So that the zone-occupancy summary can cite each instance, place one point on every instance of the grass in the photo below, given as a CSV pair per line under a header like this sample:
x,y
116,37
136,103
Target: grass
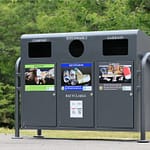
x,y
69,134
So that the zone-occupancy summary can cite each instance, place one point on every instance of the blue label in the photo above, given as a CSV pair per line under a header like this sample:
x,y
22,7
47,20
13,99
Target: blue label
x,y
76,65
73,88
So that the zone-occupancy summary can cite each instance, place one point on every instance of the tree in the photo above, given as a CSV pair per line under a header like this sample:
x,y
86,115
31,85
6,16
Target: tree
x,y
6,105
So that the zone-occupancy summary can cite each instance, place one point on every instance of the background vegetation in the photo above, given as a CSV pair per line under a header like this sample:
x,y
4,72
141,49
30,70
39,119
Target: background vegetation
x,y
47,16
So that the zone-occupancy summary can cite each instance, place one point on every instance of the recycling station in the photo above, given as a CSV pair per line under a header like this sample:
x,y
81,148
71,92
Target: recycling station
x,y
96,80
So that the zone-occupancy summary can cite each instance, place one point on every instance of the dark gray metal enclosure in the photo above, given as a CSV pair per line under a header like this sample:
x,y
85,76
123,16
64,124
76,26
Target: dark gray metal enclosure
x,y
85,81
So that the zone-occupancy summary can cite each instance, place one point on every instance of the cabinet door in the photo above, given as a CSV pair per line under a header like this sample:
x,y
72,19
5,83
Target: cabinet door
x,y
38,104
114,101
76,102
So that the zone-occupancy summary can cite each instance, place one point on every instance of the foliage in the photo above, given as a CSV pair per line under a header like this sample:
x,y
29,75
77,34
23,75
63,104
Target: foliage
x,y
6,105
45,16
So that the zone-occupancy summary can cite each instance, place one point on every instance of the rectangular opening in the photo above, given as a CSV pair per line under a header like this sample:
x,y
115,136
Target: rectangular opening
x,y
115,47
39,49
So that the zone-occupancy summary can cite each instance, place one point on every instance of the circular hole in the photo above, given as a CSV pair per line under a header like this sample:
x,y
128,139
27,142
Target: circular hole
x,y
76,48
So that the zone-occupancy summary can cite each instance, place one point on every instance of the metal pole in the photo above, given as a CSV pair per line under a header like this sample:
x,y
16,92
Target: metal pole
x,y
142,100
17,97
39,134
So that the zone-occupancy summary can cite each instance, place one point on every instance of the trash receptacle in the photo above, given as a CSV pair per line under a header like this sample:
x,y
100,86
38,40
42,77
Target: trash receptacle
x,y
84,80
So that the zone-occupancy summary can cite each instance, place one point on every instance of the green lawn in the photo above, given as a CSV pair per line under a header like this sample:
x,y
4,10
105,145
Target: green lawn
x,y
79,134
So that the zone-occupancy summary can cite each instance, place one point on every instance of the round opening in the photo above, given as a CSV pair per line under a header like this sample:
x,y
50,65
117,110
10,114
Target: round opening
x,y
76,48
